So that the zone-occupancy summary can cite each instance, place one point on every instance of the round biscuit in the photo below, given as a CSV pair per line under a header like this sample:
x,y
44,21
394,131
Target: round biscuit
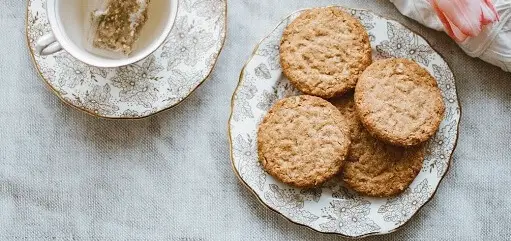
x,y
323,52
399,102
303,141
374,168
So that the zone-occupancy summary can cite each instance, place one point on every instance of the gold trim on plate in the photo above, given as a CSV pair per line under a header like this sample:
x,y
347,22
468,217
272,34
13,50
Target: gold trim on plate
x,y
238,175
89,112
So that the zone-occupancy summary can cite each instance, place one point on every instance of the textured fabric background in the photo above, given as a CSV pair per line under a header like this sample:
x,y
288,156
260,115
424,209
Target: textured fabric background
x,y
66,175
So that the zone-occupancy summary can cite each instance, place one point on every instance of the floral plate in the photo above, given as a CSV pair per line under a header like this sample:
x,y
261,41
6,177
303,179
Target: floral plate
x,y
333,208
154,84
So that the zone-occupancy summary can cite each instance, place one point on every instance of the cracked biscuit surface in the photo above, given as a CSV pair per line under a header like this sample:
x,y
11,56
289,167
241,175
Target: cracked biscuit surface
x,y
399,102
303,141
323,52
374,168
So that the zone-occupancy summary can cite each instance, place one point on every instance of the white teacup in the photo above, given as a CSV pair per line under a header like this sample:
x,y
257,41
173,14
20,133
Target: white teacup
x,y
67,18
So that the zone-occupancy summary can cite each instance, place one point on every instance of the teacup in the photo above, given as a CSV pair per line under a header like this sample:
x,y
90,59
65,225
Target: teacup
x,y
67,19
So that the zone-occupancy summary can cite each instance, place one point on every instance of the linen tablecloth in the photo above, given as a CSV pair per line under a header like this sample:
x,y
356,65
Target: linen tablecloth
x,y
65,175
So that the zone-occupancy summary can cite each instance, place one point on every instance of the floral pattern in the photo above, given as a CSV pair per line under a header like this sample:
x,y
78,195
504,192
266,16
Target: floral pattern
x,y
436,160
312,194
244,96
262,71
178,86
400,209
366,18
154,84
186,43
445,79
76,73
249,169
270,49
36,28
267,100
135,83
403,43
333,208
203,8
438,157
349,216
100,100
130,114
290,201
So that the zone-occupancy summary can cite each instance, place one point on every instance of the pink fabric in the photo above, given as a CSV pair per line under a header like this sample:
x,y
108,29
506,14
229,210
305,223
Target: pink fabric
x,y
465,18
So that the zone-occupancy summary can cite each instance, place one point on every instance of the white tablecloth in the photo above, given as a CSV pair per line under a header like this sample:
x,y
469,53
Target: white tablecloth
x,y
66,175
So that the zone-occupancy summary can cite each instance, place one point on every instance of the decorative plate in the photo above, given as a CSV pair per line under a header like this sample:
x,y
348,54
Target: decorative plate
x,y
333,208
154,84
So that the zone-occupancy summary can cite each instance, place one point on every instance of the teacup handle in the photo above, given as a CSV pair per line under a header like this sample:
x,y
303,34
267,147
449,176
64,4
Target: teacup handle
x,y
47,45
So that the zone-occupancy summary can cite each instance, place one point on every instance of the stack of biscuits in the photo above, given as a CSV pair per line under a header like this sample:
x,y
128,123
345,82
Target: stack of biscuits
x,y
365,121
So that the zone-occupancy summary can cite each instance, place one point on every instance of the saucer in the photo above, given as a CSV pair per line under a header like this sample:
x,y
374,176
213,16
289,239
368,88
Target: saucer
x,y
333,208
154,84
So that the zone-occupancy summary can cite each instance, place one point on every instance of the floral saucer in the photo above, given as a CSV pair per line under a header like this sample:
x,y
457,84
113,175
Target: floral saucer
x,y
157,83
333,208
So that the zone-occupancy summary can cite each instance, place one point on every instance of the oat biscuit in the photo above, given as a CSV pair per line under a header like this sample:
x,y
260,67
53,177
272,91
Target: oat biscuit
x,y
374,168
303,141
323,52
399,102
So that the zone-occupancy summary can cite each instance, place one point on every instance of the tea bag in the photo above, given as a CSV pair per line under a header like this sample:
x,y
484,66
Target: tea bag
x,y
114,26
